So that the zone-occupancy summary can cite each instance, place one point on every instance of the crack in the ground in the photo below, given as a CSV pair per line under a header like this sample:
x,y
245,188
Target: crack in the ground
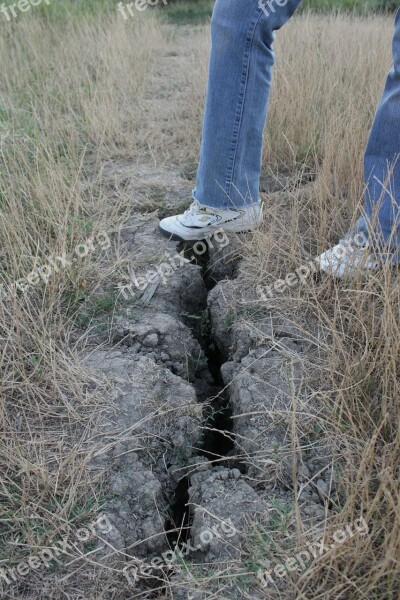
x,y
218,438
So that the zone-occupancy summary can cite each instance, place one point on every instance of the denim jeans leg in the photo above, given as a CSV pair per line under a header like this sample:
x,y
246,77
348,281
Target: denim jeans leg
x,y
382,164
240,70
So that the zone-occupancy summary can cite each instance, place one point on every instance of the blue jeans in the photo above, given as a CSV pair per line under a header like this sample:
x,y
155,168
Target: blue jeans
x,y
240,72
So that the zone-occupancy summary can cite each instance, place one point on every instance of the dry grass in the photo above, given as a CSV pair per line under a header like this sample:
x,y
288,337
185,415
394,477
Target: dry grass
x,y
77,96
324,121
60,120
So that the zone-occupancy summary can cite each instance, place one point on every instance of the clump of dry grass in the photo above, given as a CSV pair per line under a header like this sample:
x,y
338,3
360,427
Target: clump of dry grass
x,y
329,77
66,104
80,95
321,111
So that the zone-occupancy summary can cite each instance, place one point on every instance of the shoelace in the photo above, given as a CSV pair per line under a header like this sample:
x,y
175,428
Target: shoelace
x,y
191,210
361,252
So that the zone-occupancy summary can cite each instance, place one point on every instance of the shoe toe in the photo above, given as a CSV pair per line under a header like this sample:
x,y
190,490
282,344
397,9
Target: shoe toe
x,y
168,227
332,262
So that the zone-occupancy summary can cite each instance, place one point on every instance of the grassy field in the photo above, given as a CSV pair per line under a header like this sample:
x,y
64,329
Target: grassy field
x,y
76,95
200,11
192,11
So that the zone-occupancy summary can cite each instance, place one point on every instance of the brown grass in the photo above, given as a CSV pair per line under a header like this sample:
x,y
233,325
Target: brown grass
x,y
77,96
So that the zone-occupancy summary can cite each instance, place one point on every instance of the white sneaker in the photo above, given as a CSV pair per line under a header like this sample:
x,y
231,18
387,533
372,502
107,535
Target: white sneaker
x,y
346,260
200,221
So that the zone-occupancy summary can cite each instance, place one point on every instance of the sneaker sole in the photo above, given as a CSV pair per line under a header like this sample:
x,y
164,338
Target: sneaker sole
x,y
197,238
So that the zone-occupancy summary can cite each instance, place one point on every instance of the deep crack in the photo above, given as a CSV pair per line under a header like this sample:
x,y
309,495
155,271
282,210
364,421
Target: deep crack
x,y
218,438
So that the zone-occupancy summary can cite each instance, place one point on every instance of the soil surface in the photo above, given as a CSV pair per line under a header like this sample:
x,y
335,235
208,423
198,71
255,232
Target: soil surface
x,y
204,378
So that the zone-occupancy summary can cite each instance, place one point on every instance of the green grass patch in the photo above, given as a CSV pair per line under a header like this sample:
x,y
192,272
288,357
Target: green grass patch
x,y
199,11
59,9
358,6
195,13
180,12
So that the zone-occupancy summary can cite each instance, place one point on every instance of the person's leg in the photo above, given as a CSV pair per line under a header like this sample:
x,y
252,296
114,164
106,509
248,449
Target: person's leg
x,y
239,85
382,159
241,60
375,239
